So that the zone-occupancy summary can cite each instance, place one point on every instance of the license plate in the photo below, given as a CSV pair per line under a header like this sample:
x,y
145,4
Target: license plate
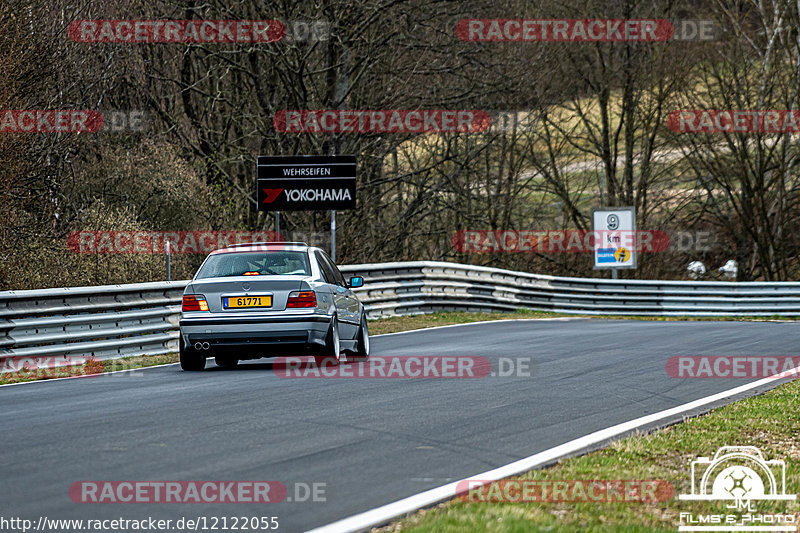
x,y
239,302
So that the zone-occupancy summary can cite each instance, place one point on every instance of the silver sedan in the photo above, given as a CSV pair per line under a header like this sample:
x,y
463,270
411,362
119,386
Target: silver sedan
x,y
267,299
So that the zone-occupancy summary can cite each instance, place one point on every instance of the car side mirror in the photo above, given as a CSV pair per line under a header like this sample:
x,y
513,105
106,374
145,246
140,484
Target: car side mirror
x,y
356,281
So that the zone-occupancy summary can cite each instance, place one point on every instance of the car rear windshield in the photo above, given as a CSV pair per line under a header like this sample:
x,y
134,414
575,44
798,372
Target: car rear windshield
x,y
277,263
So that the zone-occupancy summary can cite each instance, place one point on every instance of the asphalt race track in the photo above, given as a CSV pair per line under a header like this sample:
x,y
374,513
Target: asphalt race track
x,y
369,441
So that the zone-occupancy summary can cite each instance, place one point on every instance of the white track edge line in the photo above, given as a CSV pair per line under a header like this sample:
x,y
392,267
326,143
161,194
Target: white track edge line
x,y
557,318
385,513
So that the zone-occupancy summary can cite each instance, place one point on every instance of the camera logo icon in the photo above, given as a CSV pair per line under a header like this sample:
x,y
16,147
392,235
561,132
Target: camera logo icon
x,y
738,473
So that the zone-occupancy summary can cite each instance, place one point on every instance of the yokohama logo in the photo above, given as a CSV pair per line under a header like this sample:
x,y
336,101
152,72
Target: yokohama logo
x,y
317,195
308,195
271,195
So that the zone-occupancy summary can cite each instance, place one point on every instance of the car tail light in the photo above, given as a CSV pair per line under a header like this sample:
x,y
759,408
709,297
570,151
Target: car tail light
x,y
302,299
194,302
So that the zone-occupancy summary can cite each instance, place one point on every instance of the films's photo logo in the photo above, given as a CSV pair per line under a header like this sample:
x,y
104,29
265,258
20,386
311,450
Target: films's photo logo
x,y
743,482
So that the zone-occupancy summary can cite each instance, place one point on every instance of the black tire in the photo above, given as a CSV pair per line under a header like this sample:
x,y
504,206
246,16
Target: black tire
x,y
362,341
191,359
226,362
332,351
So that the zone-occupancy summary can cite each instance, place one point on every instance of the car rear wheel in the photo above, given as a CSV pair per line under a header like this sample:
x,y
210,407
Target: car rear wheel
x,y
226,362
332,352
191,359
362,341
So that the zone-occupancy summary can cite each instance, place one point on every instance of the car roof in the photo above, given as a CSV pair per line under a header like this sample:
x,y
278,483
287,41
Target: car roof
x,y
264,247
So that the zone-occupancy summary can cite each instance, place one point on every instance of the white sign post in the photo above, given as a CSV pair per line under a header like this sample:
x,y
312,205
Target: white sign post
x,y
614,238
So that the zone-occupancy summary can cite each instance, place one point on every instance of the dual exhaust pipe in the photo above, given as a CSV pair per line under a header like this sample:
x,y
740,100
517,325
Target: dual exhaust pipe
x,y
201,346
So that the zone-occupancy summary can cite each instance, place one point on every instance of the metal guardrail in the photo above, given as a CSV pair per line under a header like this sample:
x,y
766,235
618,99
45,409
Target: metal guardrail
x,y
115,321
104,322
426,286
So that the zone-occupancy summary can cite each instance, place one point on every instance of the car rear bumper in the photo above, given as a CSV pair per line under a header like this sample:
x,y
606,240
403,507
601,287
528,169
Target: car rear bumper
x,y
271,334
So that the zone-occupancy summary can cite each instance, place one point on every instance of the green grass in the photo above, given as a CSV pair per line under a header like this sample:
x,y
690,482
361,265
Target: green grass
x,y
768,421
92,367
395,324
